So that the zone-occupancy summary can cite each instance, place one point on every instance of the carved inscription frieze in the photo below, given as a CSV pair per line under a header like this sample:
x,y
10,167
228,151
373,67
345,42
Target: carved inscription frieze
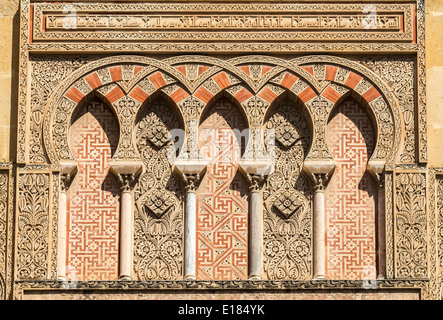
x,y
267,22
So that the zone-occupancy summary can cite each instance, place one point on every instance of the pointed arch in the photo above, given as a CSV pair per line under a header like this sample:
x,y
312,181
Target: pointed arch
x,y
351,195
222,197
93,208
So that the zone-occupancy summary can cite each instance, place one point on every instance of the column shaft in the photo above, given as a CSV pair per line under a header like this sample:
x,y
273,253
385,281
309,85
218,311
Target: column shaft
x,y
190,234
319,235
126,235
381,233
62,229
254,236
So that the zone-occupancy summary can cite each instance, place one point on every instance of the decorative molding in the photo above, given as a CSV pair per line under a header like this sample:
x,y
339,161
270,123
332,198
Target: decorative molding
x,y
243,285
220,48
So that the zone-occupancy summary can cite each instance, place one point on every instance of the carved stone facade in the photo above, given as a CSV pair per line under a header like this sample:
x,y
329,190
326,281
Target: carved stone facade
x,y
224,146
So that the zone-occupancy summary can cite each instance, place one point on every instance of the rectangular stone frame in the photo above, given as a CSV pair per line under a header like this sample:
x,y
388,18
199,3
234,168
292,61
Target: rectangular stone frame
x,y
30,47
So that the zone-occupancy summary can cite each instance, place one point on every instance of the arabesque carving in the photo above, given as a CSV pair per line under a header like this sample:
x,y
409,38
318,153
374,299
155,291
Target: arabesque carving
x,y
258,56
287,198
411,227
158,196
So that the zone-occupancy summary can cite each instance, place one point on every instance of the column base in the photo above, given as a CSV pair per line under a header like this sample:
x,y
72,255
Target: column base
x,y
62,278
191,278
381,277
320,277
254,278
125,278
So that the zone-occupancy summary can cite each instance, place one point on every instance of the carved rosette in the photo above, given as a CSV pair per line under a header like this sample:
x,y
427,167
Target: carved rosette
x,y
287,199
158,195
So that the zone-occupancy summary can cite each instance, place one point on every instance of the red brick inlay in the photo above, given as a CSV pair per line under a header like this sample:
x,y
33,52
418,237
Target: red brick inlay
x,y
181,69
93,198
139,94
331,72
202,69
157,80
307,94
93,80
309,69
222,208
371,95
116,73
178,95
203,94
115,94
267,94
74,94
350,196
288,80
137,69
265,70
353,80
245,69
243,95
331,94
222,80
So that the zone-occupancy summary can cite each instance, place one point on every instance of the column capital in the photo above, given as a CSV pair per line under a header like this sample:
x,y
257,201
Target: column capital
x,y
320,181
255,181
191,180
126,181
65,181
380,178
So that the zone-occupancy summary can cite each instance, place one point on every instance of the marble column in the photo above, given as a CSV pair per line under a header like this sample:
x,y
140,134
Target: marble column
x,y
65,180
126,227
190,225
381,227
319,226
255,227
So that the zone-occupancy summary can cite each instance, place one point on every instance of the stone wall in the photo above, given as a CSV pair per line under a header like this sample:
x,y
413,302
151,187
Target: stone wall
x,y
9,24
434,64
38,179
177,295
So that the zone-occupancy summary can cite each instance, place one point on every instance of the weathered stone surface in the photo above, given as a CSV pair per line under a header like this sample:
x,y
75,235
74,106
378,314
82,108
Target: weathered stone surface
x,y
434,64
177,295
257,56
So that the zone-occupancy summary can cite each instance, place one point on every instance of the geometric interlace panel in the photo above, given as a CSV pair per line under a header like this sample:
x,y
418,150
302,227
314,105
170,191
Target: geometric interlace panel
x,y
93,198
350,204
222,207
